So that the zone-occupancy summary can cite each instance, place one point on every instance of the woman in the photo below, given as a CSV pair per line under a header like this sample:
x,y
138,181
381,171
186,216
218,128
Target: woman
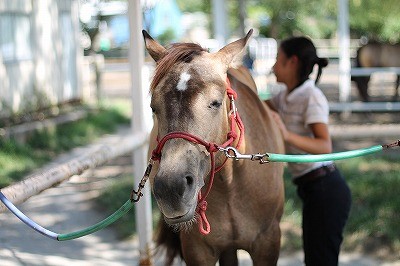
x,y
302,114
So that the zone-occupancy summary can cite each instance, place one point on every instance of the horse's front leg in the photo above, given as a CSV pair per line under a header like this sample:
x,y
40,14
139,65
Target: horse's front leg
x,y
265,251
229,258
362,86
196,252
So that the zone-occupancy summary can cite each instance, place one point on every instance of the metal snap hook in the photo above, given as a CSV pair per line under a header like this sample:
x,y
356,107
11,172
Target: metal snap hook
x,y
236,154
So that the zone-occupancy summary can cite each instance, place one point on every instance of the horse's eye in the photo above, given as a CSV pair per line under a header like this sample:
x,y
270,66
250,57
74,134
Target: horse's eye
x,y
215,104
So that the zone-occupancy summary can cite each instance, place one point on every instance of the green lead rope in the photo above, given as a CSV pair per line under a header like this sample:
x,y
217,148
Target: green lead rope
x,y
62,237
311,158
100,225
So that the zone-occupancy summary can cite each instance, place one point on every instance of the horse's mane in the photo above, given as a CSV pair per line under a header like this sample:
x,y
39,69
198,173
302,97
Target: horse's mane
x,y
178,52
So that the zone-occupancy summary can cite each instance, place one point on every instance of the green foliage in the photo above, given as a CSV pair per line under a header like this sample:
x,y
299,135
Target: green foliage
x,y
374,182
194,6
291,220
64,137
17,160
287,18
318,18
375,19
391,30
315,18
166,37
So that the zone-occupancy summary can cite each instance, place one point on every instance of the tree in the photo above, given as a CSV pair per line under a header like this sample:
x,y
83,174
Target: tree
x,y
375,19
315,18
279,19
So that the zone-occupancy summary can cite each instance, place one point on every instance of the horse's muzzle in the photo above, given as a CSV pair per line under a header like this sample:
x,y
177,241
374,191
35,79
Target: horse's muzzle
x,y
176,196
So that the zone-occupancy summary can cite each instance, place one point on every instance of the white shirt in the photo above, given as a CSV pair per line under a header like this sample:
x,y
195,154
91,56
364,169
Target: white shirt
x,y
298,109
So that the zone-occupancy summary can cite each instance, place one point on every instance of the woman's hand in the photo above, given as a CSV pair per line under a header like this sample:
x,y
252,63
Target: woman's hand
x,y
318,144
281,125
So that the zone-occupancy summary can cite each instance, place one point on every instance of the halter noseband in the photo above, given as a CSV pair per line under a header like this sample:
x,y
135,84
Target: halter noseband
x,y
212,148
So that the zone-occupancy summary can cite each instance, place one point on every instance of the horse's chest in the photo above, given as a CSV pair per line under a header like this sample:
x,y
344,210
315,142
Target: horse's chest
x,y
233,221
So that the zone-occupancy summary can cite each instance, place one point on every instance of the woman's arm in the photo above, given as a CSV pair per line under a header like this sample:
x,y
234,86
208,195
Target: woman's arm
x,y
319,144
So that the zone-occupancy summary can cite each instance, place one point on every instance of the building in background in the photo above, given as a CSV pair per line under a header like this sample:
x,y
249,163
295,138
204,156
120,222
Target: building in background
x,y
39,54
106,24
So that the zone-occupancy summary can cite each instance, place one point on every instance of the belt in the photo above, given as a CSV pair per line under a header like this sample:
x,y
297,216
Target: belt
x,y
314,174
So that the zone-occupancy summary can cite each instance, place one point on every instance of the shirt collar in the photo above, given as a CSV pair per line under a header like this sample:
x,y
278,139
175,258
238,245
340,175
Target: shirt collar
x,y
297,91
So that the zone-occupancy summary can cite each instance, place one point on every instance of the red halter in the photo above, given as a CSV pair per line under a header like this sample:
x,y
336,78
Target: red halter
x,y
211,148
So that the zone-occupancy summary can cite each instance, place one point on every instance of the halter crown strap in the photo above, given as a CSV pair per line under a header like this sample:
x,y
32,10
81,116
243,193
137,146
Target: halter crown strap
x,y
235,117
229,90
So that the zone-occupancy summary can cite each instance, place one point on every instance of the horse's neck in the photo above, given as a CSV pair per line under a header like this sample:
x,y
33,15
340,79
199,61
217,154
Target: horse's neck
x,y
243,75
224,179
261,131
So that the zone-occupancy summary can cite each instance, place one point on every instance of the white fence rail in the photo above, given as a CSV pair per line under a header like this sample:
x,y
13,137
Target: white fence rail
x,y
364,106
367,71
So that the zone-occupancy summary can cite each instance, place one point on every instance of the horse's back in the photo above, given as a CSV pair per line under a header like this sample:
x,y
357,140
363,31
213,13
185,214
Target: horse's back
x,y
391,55
379,55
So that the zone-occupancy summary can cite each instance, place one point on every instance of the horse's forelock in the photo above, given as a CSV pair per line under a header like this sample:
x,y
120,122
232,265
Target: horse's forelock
x,y
179,52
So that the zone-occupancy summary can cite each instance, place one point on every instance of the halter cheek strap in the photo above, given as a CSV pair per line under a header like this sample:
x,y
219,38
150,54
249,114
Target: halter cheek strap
x,y
212,148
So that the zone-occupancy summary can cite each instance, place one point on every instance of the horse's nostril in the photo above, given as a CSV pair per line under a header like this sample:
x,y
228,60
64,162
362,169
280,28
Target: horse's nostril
x,y
189,180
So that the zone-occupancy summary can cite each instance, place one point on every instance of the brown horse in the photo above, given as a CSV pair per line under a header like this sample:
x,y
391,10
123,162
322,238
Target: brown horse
x,y
190,109
376,54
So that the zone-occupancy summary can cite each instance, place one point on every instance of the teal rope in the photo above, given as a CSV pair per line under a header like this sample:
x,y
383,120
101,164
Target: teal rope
x,y
310,158
100,225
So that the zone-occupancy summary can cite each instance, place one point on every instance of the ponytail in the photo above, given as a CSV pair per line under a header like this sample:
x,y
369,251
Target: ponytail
x,y
321,62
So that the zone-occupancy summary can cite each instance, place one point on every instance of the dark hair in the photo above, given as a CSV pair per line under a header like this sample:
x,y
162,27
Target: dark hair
x,y
304,49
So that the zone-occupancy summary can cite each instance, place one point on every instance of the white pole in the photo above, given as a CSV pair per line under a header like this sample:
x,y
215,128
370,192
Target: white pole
x,y
344,51
136,58
220,22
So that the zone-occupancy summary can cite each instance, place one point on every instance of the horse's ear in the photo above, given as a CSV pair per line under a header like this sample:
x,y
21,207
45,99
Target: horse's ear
x,y
232,54
155,49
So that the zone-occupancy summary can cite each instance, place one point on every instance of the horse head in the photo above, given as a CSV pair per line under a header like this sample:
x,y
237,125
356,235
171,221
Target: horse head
x,y
188,94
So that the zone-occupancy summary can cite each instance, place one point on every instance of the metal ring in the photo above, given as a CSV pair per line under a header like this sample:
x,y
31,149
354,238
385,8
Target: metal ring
x,y
227,152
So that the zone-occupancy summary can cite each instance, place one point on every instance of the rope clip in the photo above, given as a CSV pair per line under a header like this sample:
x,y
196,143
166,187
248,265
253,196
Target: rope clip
x,y
233,153
260,158
392,145
137,194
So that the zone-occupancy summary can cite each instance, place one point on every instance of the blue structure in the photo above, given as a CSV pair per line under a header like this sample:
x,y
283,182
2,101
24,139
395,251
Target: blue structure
x,y
164,16
161,17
